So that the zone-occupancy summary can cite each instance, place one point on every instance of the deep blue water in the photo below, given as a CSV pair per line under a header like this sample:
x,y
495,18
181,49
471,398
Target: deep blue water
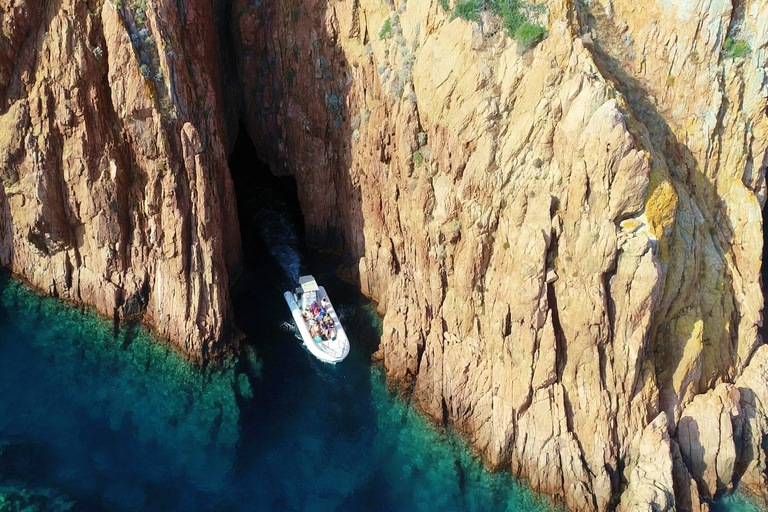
x,y
94,421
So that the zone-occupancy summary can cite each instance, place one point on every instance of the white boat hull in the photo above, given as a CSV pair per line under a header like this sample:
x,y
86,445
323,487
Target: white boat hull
x,y
329,351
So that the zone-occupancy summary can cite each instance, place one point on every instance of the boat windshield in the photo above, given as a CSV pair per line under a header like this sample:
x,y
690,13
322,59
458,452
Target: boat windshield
x,y
307,299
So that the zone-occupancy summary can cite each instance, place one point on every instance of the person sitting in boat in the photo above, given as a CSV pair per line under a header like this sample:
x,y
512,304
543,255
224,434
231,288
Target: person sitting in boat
x,y
332,333
314,331
324,303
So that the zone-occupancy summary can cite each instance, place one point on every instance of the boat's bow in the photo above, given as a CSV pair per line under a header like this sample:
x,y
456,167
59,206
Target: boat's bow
x,y
330,350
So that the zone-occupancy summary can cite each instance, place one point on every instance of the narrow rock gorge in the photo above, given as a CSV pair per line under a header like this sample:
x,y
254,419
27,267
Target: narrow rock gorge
x,y
565,239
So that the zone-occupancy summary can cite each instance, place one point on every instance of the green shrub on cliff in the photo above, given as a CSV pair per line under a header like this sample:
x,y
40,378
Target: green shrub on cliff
x,y
386,29
529,34
735,48
512,13
469,10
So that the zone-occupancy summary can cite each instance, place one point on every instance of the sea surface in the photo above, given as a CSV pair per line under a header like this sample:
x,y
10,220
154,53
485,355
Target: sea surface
x,y
92,419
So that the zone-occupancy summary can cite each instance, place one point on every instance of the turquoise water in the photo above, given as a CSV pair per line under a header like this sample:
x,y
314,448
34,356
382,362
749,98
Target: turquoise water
x,y
93,421
737,503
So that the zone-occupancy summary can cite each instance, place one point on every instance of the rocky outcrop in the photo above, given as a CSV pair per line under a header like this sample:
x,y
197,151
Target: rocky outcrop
x,y
115,188
705,112
721,437
565,241
753,424
706,437
685,487
649,469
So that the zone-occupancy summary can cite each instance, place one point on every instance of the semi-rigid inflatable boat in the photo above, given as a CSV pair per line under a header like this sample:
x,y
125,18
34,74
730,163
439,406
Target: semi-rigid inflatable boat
x,y
310,305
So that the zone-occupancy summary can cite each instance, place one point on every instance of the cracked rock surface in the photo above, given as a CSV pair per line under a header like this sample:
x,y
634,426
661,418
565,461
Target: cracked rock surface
x,y
115,189
565,241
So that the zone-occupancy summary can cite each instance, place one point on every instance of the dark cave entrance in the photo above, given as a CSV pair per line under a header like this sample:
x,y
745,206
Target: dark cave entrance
x,y
268,207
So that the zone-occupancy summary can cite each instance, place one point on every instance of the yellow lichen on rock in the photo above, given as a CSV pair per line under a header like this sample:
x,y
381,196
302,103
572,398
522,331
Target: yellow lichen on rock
x,y
660,207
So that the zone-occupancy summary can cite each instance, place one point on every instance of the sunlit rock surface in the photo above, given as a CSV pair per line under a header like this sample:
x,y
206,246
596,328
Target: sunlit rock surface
x,y
565,241
115,188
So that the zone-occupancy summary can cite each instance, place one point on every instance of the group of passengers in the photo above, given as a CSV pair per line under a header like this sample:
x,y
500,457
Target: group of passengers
x,y
321,325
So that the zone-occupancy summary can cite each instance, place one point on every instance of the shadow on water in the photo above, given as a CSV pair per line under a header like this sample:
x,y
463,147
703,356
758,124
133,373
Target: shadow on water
x,y
325,405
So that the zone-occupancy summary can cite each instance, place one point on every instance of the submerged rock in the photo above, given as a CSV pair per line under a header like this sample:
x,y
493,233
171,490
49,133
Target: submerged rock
x,y
34,500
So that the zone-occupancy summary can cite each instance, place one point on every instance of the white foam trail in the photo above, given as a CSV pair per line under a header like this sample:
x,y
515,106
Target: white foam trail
x,y
278,233
291,327
345,312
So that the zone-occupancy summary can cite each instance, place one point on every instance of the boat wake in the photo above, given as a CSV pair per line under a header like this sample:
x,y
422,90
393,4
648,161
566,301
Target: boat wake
x,y
345,312
277,231
292,328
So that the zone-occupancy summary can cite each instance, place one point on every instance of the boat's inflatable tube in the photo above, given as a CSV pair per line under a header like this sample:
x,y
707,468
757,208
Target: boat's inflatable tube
x,y
297,319
331,351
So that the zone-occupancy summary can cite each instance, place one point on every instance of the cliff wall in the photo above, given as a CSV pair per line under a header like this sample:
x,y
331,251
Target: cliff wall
x,y
566,240
115,188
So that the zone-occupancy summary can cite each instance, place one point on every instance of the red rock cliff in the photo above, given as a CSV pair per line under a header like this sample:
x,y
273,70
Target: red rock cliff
x,y
115,188
565,241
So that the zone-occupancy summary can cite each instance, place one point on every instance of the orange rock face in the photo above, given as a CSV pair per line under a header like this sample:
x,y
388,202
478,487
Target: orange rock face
x,y
115,187
565,240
